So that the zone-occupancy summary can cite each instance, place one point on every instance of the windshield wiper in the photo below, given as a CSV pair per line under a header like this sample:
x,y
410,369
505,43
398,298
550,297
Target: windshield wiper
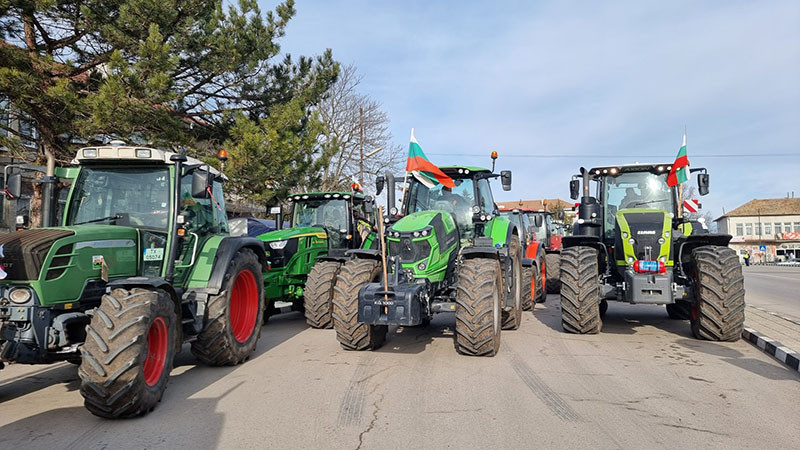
x,y
651,201
115,217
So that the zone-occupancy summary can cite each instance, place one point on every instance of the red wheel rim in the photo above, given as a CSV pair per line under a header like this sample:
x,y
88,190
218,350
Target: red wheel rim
x,y
244,306
157,343
544,278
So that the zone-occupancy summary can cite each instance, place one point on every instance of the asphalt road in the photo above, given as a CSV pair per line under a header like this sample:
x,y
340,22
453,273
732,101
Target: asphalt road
x,y
774,288
642,383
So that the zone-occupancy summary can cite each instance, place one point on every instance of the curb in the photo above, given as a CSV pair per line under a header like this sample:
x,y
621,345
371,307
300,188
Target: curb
x,y
772,348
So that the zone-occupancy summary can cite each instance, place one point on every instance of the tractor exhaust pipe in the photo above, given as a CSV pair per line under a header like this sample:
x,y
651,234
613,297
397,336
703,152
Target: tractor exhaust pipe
x,y
390,192
49,189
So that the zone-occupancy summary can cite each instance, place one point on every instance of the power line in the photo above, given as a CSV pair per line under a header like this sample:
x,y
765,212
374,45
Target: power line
x,y
721,155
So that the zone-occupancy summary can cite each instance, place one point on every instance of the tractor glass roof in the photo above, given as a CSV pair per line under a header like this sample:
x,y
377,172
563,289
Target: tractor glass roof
x,y
635,190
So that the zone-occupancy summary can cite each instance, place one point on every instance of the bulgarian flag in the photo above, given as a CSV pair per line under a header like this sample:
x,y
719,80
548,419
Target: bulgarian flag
x,y
422,168
677,174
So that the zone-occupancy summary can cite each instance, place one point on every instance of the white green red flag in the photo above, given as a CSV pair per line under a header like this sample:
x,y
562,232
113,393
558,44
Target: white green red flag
x,y
677,174
422,168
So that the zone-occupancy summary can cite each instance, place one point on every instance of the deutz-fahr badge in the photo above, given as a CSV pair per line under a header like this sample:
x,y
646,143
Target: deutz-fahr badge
x,y
97,262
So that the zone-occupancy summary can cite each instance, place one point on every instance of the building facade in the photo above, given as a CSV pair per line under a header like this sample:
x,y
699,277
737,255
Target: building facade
x,y
769,229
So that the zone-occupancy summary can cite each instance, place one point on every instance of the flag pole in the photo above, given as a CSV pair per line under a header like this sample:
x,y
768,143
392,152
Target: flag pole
x,y
405,182
680,185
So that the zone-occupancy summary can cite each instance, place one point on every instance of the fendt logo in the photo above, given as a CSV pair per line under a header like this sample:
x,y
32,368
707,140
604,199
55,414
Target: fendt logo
x,y
646,232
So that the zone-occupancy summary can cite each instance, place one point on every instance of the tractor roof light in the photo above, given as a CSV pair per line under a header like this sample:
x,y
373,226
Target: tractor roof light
x,y
614,171
143,153
90,153
222,155
494,154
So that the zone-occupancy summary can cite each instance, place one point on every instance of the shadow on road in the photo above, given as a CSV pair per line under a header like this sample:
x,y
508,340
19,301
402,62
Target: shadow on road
x,y
725,352
416,339
190,398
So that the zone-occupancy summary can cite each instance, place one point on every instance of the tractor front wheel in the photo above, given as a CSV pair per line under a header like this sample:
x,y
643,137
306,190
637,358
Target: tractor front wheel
x,y
718,313
318,294
478,294
538,291
351,334
553,266
235,315
527,288
513,317
580,291
128,353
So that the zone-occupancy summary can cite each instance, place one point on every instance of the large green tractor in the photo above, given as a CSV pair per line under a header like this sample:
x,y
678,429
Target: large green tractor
x,y
630,245
304,259
141,264
448,251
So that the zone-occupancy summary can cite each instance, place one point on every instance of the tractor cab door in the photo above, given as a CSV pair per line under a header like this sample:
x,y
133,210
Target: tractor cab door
x,y
203,218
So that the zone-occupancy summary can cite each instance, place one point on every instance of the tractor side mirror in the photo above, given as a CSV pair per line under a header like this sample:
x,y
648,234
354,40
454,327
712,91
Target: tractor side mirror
x,y
368,204
702,183
201,181
13,186
380,181
538,220
275,210
505,179
574,189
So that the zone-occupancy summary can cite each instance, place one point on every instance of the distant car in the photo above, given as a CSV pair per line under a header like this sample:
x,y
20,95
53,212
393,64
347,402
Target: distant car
x,y
250,226
789,262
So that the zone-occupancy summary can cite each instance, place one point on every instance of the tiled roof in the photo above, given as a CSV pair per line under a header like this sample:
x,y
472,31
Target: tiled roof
x,y
767,207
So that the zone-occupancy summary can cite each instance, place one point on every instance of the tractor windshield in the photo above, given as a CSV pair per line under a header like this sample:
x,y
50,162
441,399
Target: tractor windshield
x,y
458,201
330,214
635,190
540,232
137,197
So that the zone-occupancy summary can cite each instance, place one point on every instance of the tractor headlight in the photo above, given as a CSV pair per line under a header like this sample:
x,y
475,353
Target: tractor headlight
x,y
663,259
393,211
666,234
421,266
630,259
624,235
20,295
631,241
661,240
277,245
416,234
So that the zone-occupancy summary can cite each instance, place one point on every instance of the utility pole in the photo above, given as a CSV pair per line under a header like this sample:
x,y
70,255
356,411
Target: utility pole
x,y
361,145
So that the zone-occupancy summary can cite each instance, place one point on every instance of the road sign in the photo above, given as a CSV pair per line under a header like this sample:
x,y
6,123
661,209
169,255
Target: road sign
x,y
691,205
762,248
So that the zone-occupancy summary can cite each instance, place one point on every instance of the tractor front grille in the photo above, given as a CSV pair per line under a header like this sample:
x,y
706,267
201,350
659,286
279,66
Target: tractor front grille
x,y
409,251
280,257
23,252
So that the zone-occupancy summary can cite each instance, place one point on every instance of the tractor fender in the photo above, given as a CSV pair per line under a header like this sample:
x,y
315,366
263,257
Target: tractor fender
x,y
691,242
500,231
527,262
533,250
225,251
484,252
145,282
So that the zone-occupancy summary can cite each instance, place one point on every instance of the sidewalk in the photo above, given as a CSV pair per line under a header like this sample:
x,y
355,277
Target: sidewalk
x,y
776,335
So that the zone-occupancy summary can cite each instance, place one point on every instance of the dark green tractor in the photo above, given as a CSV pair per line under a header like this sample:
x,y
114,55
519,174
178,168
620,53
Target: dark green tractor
x,y
448,251
141,264
304,259
629,245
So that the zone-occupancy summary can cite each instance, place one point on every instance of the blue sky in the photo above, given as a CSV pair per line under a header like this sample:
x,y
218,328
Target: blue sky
x,y
608,82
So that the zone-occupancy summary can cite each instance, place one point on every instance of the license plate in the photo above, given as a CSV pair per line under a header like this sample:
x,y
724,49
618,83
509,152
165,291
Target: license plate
x,y
649,266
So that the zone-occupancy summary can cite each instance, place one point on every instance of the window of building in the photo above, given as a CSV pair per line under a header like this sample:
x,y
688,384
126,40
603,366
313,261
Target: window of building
x,y
4,117
749,228
797,227
28,133
758,229
739,229
787,227
767,229
777,227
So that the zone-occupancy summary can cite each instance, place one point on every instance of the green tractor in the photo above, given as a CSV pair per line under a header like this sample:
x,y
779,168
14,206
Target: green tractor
x,y
630,244
141,264
304,259
448,251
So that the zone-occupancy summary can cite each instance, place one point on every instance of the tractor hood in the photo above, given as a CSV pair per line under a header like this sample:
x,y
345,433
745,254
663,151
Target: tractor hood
x,y
643,234
425,242
289,233
417,221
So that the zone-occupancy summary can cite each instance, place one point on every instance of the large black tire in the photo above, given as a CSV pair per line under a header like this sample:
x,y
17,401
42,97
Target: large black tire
x,y
553,267
478,311
580,291
318,294
234,316
538,292
718,314
679,310
352,334
527,288
128,353
513,318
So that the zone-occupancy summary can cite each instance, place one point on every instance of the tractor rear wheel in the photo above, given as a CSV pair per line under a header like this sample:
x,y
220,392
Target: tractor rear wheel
x,y
128,353
679,311
513,318
553,266
718,313
580,291
478,311
351,334
318,294
235,315
527,288
542,264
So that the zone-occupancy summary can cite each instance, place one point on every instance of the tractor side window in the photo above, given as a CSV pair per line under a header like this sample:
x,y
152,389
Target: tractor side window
x,y
220,216
198,212
485,194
